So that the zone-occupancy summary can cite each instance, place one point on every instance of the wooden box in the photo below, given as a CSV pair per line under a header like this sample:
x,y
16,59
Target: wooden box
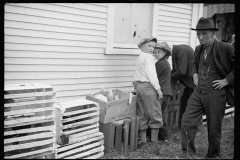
x,y
116,109
77,130
29,129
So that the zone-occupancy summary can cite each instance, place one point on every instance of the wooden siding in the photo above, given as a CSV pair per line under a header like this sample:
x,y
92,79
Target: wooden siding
x,y
62,45
174,23
211,9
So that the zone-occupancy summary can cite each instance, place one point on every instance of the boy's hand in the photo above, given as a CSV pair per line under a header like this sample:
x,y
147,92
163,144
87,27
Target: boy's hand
x,y
160,95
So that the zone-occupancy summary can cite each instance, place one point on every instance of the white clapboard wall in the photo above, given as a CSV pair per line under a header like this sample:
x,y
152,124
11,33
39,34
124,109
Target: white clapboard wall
x,y
63,45
173,23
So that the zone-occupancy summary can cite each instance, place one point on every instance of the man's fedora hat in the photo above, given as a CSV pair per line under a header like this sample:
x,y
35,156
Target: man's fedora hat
x,y
205,24
145,40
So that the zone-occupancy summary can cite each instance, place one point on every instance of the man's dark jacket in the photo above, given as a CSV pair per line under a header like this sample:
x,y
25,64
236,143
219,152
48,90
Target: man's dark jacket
x,y
223,55
164,76
182,61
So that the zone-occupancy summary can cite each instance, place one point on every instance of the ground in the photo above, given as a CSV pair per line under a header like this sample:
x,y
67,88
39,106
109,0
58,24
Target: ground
x,y
172,150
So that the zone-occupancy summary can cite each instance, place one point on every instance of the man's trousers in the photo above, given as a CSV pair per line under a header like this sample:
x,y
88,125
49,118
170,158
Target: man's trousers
x,y
187,92
213,104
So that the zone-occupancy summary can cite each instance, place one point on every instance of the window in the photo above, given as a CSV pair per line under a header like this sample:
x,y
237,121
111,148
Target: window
x,y
127,24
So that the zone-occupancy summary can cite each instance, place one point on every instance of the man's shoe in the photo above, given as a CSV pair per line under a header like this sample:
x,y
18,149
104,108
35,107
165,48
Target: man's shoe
x,y
183,154
217,156
187,155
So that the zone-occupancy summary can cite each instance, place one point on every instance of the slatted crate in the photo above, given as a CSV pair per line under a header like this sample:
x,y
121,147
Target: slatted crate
x,y
28,120
122,135
77,129
89,147
174,104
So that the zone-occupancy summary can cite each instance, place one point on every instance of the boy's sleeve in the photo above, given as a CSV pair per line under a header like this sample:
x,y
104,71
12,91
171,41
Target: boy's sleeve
x,y
151,73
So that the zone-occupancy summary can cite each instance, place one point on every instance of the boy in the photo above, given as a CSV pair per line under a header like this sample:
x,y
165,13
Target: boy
x,y
148,91
161,52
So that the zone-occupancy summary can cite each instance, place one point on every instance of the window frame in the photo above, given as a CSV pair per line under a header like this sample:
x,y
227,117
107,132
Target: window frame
x,y
120,48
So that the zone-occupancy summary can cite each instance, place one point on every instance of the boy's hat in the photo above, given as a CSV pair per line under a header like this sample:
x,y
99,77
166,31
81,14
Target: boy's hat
x,y
164,45
205,24
145,40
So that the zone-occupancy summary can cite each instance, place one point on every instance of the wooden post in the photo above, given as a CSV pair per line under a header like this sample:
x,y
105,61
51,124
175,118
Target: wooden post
x,y
126,134
50,156
136,131
100,126
177,116
132,134
108,131
118,139
171,119
58,124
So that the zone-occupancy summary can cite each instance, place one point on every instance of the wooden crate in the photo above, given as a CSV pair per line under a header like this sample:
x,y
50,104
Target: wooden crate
x,y
117,109
173,107
121,135
90,147
77,130
28,120
75,119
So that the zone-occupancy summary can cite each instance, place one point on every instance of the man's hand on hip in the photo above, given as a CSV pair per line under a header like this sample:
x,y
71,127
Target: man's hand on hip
x,y
219,84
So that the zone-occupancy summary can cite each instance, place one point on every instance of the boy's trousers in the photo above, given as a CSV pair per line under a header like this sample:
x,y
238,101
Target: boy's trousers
x,y
148,106
164,131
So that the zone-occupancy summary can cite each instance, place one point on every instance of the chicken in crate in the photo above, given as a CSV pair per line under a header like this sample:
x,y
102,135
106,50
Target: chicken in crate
x,y
77,130
28,120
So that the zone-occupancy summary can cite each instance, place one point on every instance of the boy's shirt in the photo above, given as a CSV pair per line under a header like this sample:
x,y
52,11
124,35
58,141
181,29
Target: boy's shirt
x,y
145,70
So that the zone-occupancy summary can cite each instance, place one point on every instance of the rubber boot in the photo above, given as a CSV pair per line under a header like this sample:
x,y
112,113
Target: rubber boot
x,y
143,137
154,139
154,134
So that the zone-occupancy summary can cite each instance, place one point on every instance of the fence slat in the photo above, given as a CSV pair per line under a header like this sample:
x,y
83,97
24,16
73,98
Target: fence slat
x,y
28,145
29,137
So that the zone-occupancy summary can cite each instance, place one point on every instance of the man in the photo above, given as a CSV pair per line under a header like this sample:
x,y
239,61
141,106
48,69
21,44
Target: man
x,y
182,60
148,91
213,75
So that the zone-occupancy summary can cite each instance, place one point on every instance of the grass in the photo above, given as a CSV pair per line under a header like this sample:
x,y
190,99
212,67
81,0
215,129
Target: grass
x,y
172,150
